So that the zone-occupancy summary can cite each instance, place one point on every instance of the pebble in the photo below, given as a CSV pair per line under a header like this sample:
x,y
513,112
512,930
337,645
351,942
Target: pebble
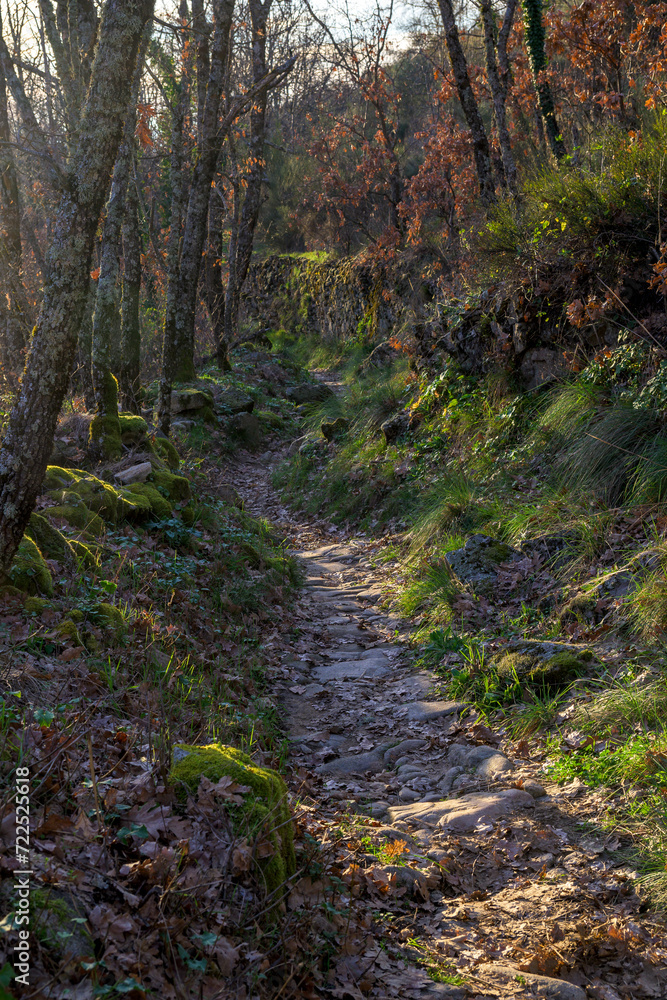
x,y
534,788
408,795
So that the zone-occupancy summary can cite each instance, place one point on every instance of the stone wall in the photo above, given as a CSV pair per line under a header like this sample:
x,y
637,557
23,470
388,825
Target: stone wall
x,y
508,328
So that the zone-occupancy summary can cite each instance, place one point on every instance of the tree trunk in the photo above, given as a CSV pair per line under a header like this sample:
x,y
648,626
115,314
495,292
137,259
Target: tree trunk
x,y
12,303
535,40
194,233
104,441
481,151
29,435
241,252
177,181
130,338
498,92
215,292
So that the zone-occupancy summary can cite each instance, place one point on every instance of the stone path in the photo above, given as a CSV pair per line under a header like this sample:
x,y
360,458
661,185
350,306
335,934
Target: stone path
x,y
492,833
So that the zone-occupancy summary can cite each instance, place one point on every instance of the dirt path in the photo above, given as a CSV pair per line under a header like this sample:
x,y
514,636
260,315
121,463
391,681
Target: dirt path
x,y
500,882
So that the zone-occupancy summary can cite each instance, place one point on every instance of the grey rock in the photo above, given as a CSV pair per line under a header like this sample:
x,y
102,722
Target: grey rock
x,y
246,427
462,815
534,788
395,426
486,761
476,564
186,400
527,984
449,777
408,795
426,711
355,764
343,671
395,753
540,365
234,402
333,428
379,809
309,392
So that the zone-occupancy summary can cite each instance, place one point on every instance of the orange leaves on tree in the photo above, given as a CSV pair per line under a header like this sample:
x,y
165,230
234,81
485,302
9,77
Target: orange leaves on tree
x,y
143,132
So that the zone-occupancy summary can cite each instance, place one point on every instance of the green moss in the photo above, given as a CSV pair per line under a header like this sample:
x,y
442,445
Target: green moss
x,y
159,507
83,554
67,630
108,616
271,418
177,488
104,438
133,429
52,543
254,557
166,450
135,506
265,810
8,591
188,515
36,605
581,604
76,615
551,672
207,414
74,511
29,571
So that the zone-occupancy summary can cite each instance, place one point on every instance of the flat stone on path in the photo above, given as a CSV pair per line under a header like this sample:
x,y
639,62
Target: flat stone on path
x,y
528,984
426,711
350,670
462,815
355,764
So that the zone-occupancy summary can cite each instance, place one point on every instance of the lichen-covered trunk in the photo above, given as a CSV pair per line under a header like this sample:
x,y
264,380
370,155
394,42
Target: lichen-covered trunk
x,y
536,42
480,141
194,232
242,246
130,336
12,300
177,181
29,436
498,91
105,441
83,374
215,291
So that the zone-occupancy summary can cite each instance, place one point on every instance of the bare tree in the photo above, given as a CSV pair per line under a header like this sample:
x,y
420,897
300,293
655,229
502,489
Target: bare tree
x,y
480,141
495,44
29,436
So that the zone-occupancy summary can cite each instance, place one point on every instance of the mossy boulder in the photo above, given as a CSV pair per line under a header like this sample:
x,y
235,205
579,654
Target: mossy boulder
x,y
37,605
234,401
247,428
153,500
104,439
476,564
167,452
67,629
189,400
265,812
52,543
109,617
333,429
550,672
177,488
133,429
74,511
29,571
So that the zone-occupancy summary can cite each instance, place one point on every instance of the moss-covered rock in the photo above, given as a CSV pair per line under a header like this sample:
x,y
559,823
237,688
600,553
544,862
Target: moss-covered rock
x,y
550,672
133,429
51,542
74,511
67,629
265,811
84,554
188,515
36,605
189,400
177,488
29,571
158,505
166,450
104,439
108,616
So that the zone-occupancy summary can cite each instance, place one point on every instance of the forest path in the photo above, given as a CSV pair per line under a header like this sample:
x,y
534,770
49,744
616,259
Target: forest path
x,y
500,884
